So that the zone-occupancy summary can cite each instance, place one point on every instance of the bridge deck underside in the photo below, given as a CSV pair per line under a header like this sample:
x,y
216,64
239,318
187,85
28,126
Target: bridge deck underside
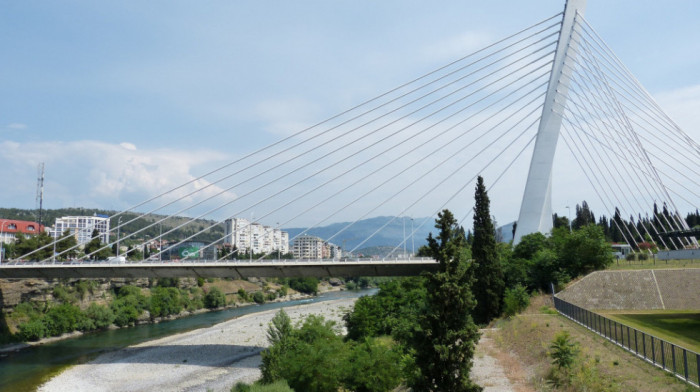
x,y
217,270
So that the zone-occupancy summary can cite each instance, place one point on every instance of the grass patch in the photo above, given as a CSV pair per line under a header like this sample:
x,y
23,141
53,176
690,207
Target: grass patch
x,y
599,366
680,328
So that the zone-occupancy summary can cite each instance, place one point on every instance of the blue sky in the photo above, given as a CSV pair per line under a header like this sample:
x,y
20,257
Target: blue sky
x,y
124,99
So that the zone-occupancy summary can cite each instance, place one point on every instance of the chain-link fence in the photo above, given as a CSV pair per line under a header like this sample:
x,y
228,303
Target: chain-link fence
x,y
684,363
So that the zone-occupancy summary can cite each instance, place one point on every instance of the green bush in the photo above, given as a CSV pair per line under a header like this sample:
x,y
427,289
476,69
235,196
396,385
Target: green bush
x,y
97,317
304,285
643,256
61,293
279,386
32,330
128,306
165,301
214,298
563,350
200,281
63,318
259,297
243,295
515,300
373,367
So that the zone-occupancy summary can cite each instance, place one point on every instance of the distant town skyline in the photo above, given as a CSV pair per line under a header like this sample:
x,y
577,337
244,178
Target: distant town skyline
x,y
125,100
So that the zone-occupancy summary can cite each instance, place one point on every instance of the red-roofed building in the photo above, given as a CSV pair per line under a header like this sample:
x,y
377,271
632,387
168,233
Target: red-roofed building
x,y
10,227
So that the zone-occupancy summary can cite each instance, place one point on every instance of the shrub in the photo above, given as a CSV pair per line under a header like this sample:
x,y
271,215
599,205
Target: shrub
x,y
373,367
98,317
165,301
304,285
32,330
63,318
215,298
200,281
515,300
243,295
563,350
259,297
61,293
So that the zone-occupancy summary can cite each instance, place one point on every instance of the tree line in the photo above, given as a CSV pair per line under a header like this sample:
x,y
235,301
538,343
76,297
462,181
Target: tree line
x,y
421,332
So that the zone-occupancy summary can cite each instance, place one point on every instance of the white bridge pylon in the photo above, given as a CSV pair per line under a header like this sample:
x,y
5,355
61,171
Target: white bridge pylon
x,y
536,207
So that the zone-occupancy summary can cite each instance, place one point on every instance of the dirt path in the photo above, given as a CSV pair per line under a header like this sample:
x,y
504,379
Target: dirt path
x,y
497,371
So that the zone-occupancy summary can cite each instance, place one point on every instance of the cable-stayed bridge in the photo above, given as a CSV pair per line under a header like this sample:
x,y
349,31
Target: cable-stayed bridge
x,y
421,146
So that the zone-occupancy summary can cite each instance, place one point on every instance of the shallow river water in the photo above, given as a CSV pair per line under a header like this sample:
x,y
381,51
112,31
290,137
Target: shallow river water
x,y
26,369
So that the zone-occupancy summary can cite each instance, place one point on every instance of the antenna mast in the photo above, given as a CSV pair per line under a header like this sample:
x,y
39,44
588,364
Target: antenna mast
x,y
40,191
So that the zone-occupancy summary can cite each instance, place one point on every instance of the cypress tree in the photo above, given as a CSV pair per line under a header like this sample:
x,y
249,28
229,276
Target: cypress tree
x,y
489,285
445,336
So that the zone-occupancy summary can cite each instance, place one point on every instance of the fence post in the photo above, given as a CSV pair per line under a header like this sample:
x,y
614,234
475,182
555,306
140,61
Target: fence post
x,y
685,363
615,326
673,356
663,354
653,349
636,348
697,364
629,343
644,344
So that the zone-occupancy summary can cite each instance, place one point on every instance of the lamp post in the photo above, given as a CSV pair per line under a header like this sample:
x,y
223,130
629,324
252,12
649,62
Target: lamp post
x,y
569,209
413,244
403,220
119,225
2,240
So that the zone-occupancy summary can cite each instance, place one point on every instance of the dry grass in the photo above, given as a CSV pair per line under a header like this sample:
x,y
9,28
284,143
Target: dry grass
x,y
602,366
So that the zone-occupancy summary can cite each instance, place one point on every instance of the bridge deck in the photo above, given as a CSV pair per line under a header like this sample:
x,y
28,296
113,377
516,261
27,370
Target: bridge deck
x,y
217,269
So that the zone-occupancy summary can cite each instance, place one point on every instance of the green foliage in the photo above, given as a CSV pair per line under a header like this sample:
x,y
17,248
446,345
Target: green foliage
x,y
82,287
372,367
63,318
169,282
128,306
391,311
515,300
164,301
97,317
279,386
259,297
443,341
243,295
200,281
304,285
95,247
582,251
32,330
60,293
563,350
66,246
215,298
25,244
313,357
489,284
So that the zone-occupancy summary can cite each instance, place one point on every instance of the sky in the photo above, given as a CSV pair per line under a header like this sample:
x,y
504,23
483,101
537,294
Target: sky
x,y
122,100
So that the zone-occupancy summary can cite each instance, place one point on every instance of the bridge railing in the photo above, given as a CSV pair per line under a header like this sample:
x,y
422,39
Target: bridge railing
x,y
211,261
683,363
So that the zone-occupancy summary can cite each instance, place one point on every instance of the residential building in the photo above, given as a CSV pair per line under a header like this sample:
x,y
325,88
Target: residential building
x,y
311,247
9,228
244,235
82,227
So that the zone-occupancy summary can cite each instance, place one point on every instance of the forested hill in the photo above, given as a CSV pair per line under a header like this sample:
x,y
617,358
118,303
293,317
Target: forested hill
x,y
49,217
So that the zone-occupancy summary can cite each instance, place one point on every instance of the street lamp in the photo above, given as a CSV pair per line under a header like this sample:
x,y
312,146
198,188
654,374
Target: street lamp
x,y
2,240
119,225
569,209
413,245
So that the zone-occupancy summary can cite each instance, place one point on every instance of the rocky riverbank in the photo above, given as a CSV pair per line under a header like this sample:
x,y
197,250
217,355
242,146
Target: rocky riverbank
x,y
212,358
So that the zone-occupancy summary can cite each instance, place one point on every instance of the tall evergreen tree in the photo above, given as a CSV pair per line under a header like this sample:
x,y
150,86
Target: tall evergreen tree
x,y
444,340
489,285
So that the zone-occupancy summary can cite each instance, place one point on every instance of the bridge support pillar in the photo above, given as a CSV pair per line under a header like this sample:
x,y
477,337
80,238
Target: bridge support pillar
x,y
536,208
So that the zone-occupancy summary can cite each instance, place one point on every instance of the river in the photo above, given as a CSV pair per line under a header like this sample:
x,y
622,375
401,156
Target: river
x,y
27,369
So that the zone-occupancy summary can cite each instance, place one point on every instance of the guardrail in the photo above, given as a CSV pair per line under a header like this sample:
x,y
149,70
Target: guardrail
x,y
223,262
683,363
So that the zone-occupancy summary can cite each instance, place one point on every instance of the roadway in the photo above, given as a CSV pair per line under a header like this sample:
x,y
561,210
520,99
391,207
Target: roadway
x,y
217,269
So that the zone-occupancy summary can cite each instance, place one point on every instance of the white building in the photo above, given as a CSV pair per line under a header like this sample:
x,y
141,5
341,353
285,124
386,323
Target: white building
x,y
311,247
82,226
244,235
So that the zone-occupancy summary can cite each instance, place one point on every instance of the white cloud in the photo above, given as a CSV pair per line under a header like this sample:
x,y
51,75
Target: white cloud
x,y
682,106
286,117
16,126
112,176
458,46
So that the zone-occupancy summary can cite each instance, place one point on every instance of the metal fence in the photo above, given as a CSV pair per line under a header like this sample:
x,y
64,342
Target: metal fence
x,y
683,363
